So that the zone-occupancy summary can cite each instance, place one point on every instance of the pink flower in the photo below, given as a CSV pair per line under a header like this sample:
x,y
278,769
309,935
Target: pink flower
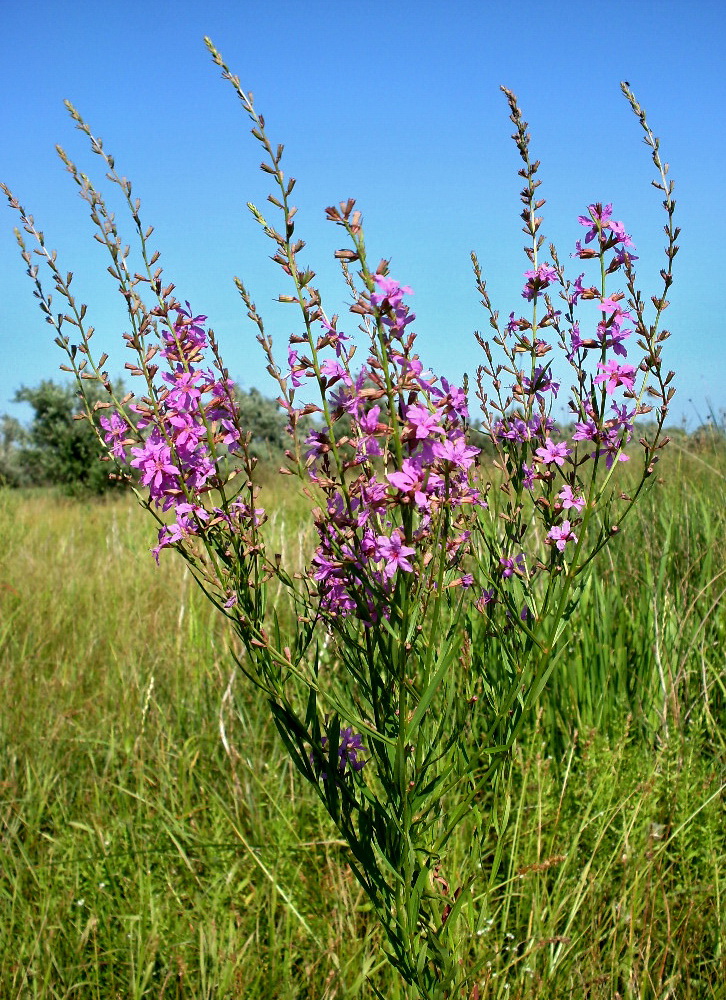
x,y
562,535
568,500
552,452
456,452
596,214
391,292
422,422
410,480
611,305
538,279
154,459
613,375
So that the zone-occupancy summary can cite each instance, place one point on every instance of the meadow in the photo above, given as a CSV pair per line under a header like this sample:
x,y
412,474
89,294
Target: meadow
x,y
156,842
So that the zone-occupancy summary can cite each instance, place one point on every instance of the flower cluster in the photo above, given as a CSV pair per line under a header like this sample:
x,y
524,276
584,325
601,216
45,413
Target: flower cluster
x,y
610,235
537,456
537,280
190,422
398,418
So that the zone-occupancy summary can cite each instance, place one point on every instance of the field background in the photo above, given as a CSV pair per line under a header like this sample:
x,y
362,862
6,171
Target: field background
x,y
155,843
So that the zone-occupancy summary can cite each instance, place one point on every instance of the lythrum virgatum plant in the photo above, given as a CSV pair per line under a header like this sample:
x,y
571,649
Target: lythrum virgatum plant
x,y
422,574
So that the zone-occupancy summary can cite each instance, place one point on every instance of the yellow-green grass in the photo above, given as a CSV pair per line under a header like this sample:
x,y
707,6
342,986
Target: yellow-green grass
x,y
155,843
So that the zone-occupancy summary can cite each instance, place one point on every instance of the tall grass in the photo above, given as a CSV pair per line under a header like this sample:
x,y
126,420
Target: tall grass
x,y
154,842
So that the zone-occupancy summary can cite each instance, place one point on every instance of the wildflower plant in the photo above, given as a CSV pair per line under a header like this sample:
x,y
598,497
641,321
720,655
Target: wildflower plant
x,y
435,603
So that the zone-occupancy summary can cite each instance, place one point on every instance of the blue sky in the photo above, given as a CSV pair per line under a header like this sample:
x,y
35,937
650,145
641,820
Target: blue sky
x,y
396,104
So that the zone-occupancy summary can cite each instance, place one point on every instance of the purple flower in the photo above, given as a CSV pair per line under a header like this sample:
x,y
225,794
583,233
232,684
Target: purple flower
x,y
394,553
189,519
116,430
296,367
317,444
611,305
368,422
348,397
540,382
612,441
412,367
186,339
192,410
623,417
618,231
334,337
184,394
580,291
583,253
350,745
576,341
187,432
373,498
389,302
585,430
512,566
621,256
512,326
332,370
367,445
487,597
613,335
455,400
514,428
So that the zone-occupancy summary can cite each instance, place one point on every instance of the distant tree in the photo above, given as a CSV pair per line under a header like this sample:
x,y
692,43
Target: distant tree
x,y
12,437
58,448
265,420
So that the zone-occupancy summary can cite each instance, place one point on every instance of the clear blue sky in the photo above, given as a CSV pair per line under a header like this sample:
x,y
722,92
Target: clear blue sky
x,y
396,104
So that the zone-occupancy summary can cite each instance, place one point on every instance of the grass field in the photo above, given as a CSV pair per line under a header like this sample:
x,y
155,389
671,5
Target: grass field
x,y
155,842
